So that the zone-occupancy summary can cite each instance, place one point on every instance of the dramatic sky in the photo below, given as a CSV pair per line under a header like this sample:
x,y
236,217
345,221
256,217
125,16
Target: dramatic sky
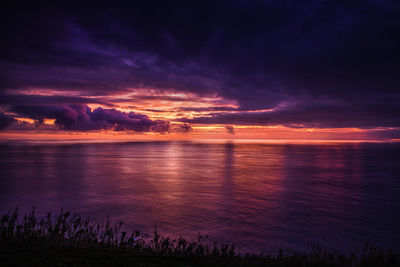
x,y
200,69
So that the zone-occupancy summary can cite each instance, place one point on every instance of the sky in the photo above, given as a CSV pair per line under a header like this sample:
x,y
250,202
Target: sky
x,y
200,69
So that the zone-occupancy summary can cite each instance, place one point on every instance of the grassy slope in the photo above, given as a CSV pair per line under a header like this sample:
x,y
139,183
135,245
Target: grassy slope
x,y
34,253
17,253
72,240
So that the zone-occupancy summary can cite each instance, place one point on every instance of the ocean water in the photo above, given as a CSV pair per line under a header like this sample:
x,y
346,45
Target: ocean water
x,y
260,196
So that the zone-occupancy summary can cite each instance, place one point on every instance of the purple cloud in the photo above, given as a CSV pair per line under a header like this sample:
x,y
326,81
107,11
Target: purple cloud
x,y
82,118
257,54
312,115
5,120
43,100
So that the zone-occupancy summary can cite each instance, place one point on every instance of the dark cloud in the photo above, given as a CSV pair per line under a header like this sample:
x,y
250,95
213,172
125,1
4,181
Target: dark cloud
x,y
161,126
5,120
260,53
82,118
154,97
40,100
156,110
316,115
182,128
207,109
230,129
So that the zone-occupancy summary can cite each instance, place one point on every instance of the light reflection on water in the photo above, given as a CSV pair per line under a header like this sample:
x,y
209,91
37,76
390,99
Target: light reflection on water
x,y
259,196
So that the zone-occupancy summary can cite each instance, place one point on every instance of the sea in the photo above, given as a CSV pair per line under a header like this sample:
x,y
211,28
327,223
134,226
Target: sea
x,y
258,195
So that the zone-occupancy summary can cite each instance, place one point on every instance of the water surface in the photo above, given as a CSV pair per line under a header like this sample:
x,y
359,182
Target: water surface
x,y
260,196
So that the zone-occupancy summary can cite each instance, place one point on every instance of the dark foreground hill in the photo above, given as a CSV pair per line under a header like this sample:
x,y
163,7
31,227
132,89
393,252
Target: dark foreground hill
x,y
71,240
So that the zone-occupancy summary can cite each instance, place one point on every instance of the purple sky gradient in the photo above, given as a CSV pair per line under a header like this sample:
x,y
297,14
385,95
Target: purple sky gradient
x,y
320,64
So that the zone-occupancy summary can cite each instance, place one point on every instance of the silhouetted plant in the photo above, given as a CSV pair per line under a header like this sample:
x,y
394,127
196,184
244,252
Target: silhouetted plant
x,y
72,230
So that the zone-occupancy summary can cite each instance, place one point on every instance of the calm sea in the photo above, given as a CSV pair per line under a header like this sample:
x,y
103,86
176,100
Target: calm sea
x,y
260,196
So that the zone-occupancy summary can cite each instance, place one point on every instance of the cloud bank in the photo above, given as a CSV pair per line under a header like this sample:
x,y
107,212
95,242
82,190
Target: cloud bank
x,y
82,118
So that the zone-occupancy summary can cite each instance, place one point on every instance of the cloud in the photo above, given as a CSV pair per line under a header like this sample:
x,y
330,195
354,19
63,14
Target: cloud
x,y
311,115
40,100
196,109
229,129
182,128
5,121
259,54
161,126
82,118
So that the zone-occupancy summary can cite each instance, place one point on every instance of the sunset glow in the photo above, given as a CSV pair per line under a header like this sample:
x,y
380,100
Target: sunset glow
x,y
254,84
178,109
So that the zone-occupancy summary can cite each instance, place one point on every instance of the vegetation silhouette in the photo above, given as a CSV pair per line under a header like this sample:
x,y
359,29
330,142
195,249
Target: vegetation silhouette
x,y
67,239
